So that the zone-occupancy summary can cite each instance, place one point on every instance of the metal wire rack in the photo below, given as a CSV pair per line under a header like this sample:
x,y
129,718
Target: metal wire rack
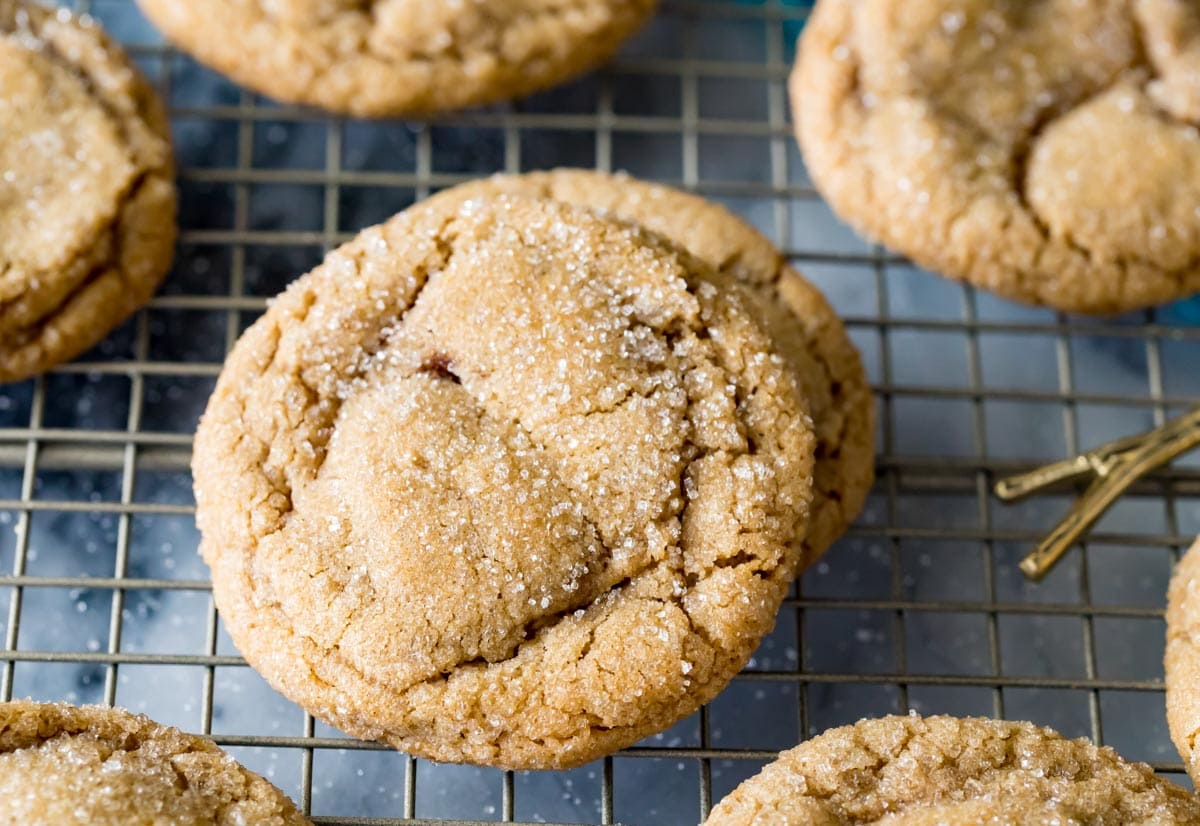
x,y
921,606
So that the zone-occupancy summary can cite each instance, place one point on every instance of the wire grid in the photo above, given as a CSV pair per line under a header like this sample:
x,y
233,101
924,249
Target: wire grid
x,y
920,606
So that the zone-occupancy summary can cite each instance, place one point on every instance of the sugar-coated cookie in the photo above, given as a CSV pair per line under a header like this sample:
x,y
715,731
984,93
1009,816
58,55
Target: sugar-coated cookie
x,y
87,198
950,771
503,481
376,58
1182,661
1048,150
60,765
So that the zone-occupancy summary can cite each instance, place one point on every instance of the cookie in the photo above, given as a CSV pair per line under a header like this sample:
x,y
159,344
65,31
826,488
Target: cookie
x,y
1182,661
87,202
1048,151
505,482
380,58
806,329
945,771
93,765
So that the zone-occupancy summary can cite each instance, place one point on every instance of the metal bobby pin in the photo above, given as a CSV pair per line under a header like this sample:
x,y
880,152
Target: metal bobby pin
x,y
1115,465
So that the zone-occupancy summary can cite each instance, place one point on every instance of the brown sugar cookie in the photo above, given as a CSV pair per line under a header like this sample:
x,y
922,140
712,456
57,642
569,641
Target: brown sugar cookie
x,y
1046,150
60,764
503,481
947,771
806,329
87,202
379,58
1182,661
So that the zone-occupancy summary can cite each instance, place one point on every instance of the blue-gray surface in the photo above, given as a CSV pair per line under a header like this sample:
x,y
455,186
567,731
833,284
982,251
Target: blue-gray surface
x,y
971,384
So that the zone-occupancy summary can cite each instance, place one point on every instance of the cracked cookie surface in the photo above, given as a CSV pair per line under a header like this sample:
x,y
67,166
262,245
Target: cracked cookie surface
x,y
62,764
1048,151
1182,659
377,58
87,201
803,325
503,481
914,771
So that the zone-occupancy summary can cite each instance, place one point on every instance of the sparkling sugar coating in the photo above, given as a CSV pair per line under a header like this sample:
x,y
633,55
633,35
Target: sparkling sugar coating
x,y
1182,660
503,481
947,771
803,325
1047,150
374,58
92,765
87,203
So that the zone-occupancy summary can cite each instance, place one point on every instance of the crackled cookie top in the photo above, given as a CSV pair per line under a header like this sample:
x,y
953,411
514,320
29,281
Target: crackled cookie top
x,y
1183,659
946,771
86,198
1047,150
65,765
503,481
399,57
808,332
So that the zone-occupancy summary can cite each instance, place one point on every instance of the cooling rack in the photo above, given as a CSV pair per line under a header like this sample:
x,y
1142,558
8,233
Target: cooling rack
x,y
103,598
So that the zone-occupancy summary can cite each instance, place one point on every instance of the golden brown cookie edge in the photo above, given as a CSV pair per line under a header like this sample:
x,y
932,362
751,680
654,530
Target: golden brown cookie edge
x,y
260,57
144,235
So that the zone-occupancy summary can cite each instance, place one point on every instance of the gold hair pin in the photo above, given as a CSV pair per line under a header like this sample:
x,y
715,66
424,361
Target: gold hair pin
x,y
1115,465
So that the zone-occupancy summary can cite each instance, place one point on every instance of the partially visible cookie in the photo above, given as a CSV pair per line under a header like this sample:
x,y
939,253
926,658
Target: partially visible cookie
x,y
1046,150
1182,661
87,200
806,329
378,58
92,765
503,481
947,771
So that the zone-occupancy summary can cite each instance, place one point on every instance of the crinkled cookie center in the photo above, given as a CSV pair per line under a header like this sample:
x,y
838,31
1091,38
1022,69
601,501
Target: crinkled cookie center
x,y
1092,166
1078,109
63,163
516,448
